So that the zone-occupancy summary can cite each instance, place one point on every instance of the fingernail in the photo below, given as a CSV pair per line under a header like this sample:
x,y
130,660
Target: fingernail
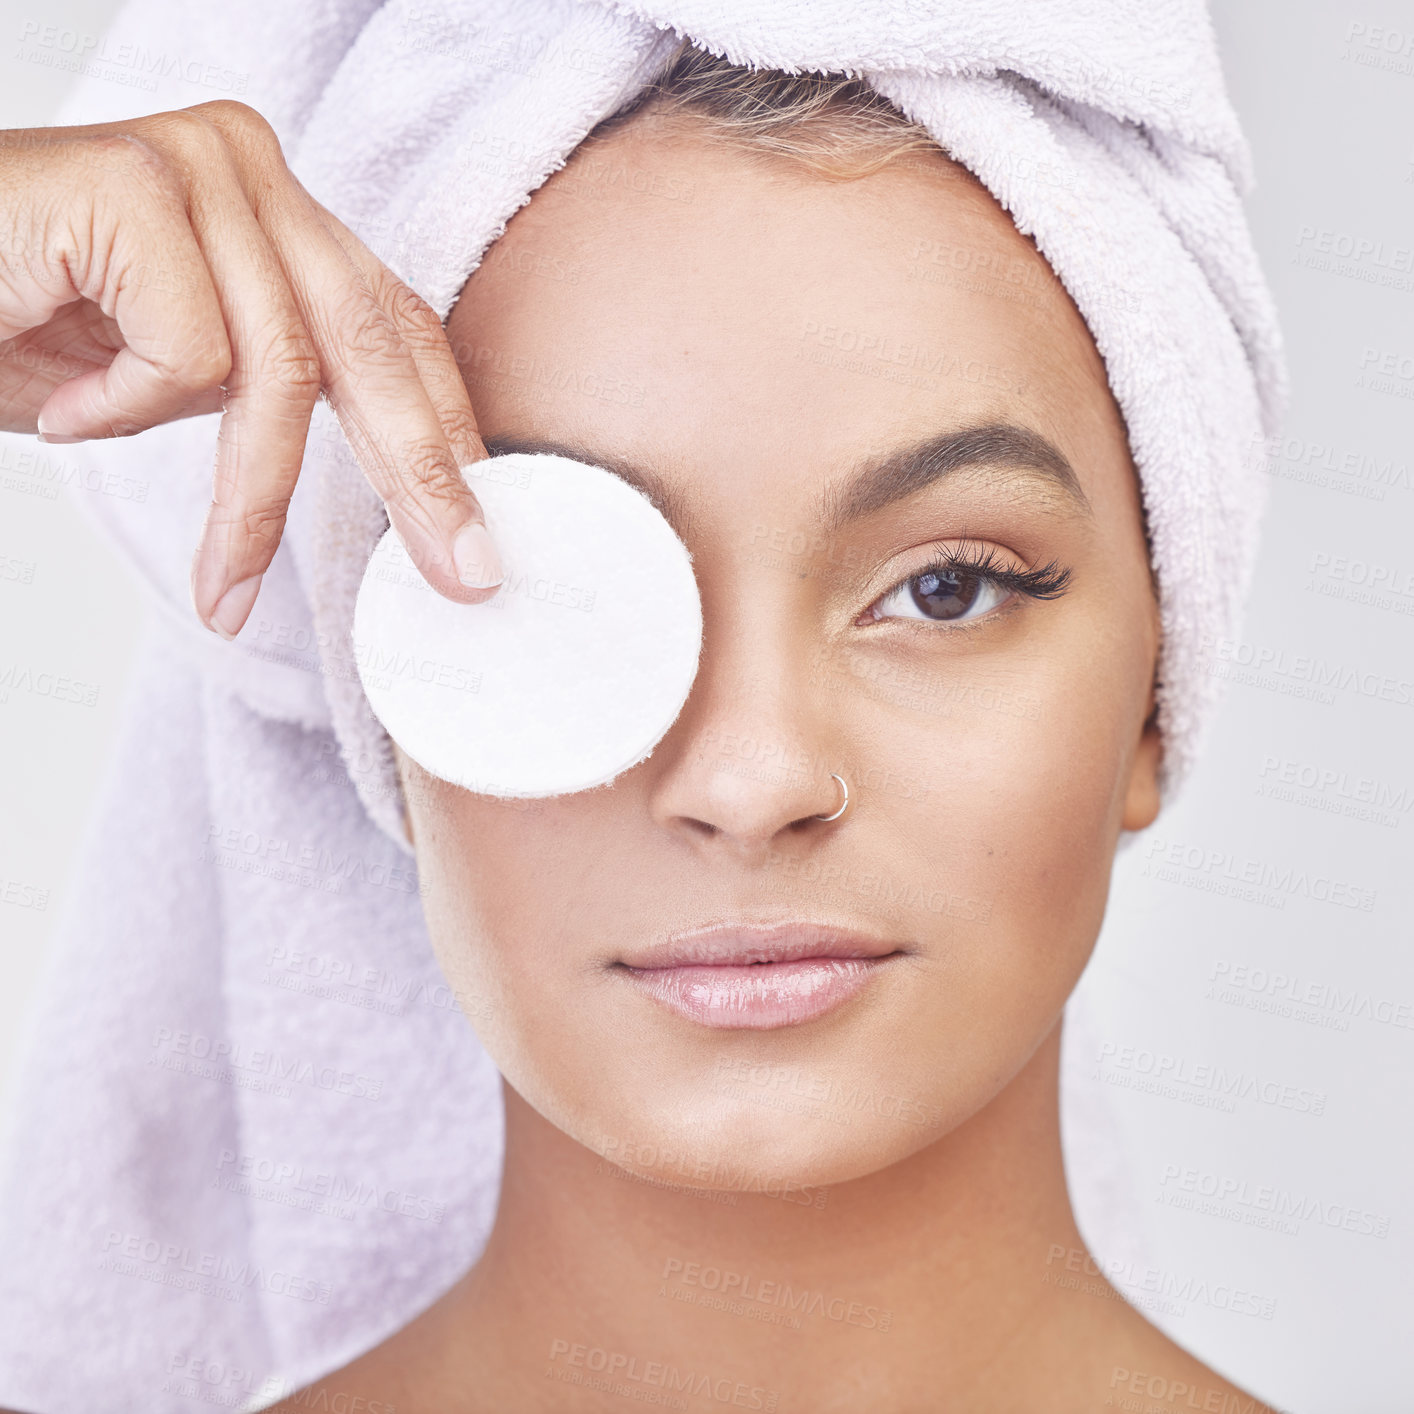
x,y
478,564
54,438
234,606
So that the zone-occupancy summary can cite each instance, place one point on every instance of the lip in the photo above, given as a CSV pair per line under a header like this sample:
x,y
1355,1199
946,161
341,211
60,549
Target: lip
x,y
758,977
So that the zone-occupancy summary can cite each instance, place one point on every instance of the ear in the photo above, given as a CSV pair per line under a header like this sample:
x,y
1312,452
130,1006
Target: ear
x,y
1141,797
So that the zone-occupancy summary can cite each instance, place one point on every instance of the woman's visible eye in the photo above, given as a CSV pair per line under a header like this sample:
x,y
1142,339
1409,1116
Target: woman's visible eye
x,y
941,593
966,584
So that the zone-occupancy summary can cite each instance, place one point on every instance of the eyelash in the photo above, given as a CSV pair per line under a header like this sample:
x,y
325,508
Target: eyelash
x,y
1048,581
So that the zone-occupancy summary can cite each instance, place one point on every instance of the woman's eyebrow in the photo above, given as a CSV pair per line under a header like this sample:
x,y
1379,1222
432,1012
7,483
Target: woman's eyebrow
x,y
903,472
1003,446
669,504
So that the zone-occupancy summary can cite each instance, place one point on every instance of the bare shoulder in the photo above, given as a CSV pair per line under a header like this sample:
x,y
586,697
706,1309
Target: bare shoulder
x,y
409,1373
350,1388
1104,1356
1147,1373
392,1378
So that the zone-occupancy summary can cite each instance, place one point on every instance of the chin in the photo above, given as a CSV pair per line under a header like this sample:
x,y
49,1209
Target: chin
x,y
747,1151
744,1126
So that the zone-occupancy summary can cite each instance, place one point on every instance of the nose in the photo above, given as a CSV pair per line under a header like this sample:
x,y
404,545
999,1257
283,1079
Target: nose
x,y
748,766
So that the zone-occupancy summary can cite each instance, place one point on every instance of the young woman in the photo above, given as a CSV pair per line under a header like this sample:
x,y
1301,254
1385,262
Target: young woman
x,y
778,1014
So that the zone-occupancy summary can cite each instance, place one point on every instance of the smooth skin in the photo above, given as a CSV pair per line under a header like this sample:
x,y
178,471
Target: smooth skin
x,y
173,265
741,353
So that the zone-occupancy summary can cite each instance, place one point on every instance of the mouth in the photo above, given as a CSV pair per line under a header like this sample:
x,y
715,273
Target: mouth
x,y
757,977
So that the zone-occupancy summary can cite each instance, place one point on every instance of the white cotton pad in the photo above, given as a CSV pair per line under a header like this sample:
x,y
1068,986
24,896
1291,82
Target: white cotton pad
x,y
576,668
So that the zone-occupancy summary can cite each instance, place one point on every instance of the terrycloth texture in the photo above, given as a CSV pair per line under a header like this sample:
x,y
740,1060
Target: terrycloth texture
x,y
248,1071
255,1134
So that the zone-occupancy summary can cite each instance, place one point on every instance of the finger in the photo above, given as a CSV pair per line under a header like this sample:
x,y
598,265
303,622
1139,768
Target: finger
x,y
426,339
270,391
371,381
80,330
29,373
138,260
78,339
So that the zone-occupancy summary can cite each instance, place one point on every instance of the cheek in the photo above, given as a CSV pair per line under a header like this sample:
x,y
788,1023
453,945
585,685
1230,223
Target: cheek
x,y
513,893
1009,798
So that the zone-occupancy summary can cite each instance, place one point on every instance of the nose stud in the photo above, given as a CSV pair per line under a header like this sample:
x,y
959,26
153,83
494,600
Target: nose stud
x,y
844,804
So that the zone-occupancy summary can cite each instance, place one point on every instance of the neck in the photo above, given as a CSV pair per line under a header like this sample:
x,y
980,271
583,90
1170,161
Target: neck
x,y
935,1268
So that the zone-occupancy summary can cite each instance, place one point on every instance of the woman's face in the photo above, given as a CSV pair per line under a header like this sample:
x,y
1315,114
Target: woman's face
x,y
883,432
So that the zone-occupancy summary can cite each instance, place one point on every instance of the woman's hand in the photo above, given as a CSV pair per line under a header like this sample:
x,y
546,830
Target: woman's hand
x,y
172,265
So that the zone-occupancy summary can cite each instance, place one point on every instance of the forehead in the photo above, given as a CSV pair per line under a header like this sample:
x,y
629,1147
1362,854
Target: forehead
x,y
684,303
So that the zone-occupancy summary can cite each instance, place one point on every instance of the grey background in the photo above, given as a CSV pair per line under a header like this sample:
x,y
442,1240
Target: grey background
x,y
1326,93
